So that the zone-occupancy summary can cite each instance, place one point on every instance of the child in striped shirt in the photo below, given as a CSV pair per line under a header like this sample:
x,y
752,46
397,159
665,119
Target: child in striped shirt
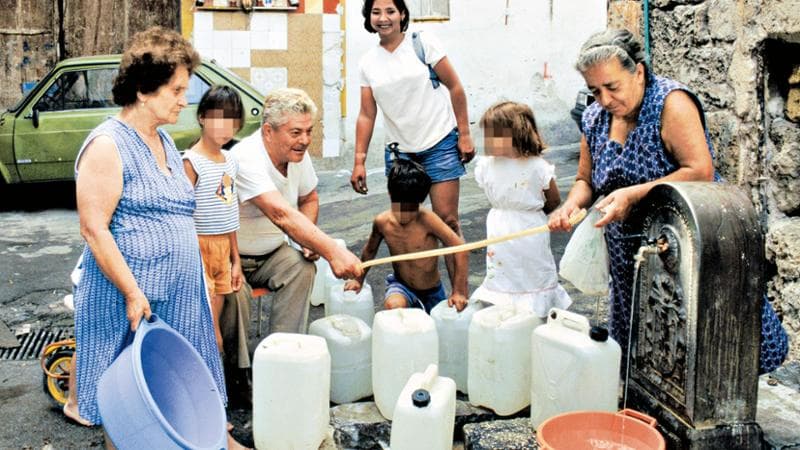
x,y
212,171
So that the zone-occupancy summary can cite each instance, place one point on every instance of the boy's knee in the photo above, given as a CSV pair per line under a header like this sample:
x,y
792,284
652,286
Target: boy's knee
x,y
394,302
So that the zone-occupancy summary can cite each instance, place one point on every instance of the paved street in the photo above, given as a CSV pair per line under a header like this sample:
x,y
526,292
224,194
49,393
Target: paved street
x,y
41,242
39,245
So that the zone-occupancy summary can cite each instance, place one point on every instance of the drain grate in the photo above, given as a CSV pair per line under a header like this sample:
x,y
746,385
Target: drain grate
x,y
34,342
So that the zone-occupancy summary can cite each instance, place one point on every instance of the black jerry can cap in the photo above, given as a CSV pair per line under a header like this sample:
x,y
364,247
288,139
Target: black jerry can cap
x,y
421,398
599,334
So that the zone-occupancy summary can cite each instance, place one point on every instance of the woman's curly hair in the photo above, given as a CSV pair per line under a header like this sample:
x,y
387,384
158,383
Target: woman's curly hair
x,y
150,61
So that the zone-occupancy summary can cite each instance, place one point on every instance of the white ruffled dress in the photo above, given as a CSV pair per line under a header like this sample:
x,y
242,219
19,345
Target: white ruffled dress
x,y
522,269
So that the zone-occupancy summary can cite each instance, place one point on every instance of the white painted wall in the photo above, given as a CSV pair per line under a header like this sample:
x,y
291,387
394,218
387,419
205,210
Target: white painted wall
x,y
495,60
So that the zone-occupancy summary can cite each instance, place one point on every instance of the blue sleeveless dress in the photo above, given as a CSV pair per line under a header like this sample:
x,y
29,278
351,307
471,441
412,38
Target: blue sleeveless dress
x,y
154,230
641,159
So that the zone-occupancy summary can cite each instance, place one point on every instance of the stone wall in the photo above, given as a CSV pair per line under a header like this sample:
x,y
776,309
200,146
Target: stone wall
x,y
737,56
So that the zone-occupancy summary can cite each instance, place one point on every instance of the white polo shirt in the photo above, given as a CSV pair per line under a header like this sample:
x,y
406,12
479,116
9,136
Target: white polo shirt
x,y
416,115
257,175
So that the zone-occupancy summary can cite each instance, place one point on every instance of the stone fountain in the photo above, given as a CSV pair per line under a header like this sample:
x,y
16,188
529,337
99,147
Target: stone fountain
x,y
694,361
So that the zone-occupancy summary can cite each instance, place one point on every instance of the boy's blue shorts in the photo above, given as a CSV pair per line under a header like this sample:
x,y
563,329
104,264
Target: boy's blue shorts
x,y
442,162
426,299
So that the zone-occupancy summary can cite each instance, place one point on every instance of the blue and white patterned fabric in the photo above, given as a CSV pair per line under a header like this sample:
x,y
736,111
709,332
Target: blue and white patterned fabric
x,y
774,340
641,159
154,230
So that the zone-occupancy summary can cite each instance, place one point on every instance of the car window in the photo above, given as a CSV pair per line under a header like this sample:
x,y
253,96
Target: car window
x,y
197,87
79,89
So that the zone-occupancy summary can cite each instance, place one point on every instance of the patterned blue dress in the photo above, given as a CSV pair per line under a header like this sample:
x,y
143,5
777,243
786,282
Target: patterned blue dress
x,y
641,159
154,229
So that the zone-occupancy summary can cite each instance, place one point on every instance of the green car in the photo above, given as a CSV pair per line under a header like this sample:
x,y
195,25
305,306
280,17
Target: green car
x,y
40,136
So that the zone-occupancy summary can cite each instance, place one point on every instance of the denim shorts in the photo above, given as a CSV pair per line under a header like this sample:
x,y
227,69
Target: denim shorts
x,y
442,162
425,300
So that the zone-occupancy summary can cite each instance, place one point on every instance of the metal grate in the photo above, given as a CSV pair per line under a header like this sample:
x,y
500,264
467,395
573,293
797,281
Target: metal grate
x,y
34,342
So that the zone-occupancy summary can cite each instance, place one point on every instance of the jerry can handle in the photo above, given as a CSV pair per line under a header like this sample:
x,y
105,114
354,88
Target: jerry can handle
x,y
568,319
429,377
640,416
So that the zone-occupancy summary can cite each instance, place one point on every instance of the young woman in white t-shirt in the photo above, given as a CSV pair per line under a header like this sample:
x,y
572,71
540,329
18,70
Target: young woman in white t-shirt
x,y
428,125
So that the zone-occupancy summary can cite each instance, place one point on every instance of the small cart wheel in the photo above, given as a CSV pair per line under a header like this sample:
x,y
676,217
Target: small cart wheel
x,y
59,364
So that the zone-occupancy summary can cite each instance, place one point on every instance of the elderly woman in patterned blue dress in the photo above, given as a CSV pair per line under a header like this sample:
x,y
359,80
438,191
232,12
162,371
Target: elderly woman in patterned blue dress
x,y
135,206
642,130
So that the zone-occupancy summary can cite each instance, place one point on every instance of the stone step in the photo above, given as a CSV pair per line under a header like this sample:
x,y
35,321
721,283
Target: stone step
x,y
513,434
361,425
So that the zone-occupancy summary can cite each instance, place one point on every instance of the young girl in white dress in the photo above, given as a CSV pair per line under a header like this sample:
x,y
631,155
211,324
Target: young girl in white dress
x,y
521,188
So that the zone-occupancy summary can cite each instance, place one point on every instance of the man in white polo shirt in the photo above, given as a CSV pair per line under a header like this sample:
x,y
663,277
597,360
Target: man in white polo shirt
x,y
276,186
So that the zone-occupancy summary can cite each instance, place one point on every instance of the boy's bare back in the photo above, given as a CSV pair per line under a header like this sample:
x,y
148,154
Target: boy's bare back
x,y
422,233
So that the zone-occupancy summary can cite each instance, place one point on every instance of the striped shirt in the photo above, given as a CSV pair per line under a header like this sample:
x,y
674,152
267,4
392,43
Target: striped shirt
x,y
215,192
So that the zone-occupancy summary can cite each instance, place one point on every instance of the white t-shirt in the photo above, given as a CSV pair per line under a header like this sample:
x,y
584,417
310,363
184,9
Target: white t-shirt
x,y
416,115
257,175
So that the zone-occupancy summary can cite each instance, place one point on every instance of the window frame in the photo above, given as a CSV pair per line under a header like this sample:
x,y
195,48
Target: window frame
x,y
415,7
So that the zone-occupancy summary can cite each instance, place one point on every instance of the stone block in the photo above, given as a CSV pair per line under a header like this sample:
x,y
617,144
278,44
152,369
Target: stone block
x,y
794,77
626,14
705,71
722,20
722,129
793,104
783,247
361,425
672,34
514,434
784,166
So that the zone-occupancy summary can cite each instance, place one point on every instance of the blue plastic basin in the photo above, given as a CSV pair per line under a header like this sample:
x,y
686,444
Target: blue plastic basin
x,y
159,394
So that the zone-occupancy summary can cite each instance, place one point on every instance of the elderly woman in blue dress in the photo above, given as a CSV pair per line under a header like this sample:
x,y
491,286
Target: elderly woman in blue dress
x,y
642,130
135,206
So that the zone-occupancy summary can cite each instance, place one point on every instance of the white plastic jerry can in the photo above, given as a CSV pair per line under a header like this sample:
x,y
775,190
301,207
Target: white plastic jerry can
x,y
452,327
574,367
350,345
499,361
404,341
324,279
291,392
424,417
359,304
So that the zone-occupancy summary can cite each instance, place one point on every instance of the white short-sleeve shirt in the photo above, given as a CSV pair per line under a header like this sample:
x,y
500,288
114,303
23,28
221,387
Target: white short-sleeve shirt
x,y
257,175
416,115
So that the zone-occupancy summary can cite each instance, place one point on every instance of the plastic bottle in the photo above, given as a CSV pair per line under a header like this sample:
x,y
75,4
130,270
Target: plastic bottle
x,y
499,361
291,392
574,367
404,341
350,345
359,305
324,279
452,327
424,416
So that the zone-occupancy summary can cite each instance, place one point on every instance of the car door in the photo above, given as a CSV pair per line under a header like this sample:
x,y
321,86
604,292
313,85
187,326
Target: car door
x,y
51,127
